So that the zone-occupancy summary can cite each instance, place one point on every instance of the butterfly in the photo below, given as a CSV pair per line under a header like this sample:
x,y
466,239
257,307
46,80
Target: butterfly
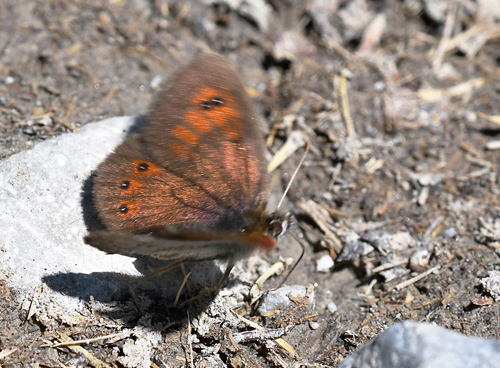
x,y
192,185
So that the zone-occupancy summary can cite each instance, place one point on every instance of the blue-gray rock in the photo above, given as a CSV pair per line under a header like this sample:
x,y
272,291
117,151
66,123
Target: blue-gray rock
x,y
421,345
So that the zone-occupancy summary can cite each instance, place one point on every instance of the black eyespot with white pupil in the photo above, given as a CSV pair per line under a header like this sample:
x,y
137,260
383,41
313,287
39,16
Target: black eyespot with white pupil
x,y
125,184
214,102
123,209
142,166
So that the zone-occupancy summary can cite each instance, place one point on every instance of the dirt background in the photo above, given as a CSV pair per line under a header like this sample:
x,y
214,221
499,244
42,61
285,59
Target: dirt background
x,y
400,101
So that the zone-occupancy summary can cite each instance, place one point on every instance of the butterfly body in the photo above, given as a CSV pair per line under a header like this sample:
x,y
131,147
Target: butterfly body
x,y
192,185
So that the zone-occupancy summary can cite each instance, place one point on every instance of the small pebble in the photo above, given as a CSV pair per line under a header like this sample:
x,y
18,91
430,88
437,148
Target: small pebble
x,y
280,298
29,131
324,264
313,325
492,284
347,73
450,232
233,303
9,80
419,260
46,120
156,82
379,86
332,307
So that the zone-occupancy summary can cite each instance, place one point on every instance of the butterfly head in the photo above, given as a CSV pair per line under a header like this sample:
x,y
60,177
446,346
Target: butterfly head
x,y
278,224
266,231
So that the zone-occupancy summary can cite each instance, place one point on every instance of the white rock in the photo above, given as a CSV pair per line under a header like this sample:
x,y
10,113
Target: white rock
x,y
324,264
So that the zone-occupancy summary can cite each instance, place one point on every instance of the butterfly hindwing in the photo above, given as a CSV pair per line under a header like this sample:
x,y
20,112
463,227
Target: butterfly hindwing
x,y
132,193
215,246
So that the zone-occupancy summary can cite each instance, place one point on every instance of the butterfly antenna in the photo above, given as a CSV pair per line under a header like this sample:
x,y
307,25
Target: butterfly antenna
x,y
290,182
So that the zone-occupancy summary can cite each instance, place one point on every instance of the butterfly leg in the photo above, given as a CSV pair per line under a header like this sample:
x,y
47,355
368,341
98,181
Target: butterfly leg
x,y
227,272
186,276
302,245
163,270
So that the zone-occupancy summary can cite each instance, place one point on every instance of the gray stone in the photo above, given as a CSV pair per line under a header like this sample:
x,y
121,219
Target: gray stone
x,y
421,345
450,232
492,284
332,307
280,298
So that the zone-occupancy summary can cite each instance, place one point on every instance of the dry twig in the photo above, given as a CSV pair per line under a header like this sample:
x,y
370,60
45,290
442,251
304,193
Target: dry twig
x,y
346,109
413,280
117,336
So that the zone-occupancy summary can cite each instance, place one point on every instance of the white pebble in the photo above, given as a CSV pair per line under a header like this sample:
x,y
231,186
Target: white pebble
x,y
324,264
332,307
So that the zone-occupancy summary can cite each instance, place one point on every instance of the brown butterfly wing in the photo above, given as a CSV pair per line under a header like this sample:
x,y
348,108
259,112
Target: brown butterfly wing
x,y
132,193
204,128
199,164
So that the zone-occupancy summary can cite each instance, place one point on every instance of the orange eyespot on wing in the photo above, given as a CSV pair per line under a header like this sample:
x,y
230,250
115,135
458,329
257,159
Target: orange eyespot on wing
x,y
213,113
128,208
215,109
130,185
145,168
